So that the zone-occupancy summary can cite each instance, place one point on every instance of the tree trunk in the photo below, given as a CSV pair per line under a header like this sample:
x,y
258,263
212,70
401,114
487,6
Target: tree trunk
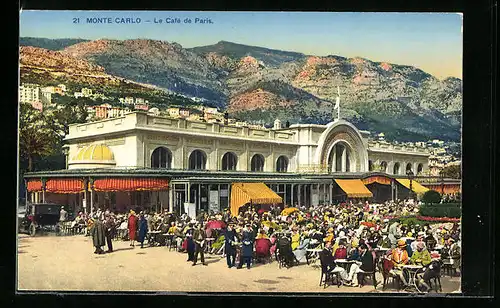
x,y
30,163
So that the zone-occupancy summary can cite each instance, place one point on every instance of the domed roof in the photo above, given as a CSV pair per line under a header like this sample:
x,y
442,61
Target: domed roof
x,y
95,152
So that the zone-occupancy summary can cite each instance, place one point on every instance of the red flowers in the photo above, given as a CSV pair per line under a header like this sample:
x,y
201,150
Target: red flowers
x,y
440,219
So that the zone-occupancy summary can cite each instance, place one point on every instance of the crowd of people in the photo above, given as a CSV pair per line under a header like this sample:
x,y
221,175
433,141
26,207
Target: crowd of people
x,y
351,231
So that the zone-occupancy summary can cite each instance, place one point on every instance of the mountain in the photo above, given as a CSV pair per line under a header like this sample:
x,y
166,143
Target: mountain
x,y
50,44
260,84
47,67
268,56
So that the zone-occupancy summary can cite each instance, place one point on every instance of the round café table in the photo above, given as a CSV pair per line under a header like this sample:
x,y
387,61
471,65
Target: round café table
x,y
412,271
344,263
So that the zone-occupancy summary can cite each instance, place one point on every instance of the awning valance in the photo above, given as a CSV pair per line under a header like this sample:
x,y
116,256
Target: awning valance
x,y
130,184
446,188
377,179
354,188
34,185
415,186
64,186
255,193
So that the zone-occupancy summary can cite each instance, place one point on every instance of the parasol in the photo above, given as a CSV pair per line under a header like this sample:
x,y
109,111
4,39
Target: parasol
x,y
216,224
288,211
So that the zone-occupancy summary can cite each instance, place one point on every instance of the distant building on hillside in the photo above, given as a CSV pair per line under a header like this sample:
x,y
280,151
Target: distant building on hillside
x,y
173,112
78,94
184,113
86,92
29,93
45,97
62,86
144,107
53,90
129,100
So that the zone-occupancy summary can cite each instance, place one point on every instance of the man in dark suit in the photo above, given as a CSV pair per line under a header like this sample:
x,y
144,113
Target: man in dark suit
x,y
199,237
365,263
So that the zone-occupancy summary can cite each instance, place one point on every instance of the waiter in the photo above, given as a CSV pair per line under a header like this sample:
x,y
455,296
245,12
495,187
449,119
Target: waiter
x,y
199,237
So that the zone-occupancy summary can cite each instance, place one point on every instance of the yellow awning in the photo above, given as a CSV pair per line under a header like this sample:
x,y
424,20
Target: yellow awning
x,y
354,188
415,186
255,193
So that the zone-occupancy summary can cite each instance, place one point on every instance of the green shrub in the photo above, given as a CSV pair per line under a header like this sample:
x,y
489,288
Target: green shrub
x,y
441,211
431,197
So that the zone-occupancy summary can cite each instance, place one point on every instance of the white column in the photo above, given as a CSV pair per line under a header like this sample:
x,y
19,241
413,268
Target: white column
x,y
299,194
334,161
188,192
171,199
331,193
291,194
344,159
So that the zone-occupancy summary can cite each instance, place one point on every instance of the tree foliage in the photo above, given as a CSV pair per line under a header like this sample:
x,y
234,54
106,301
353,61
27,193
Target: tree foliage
x,y
453,171
37,137
431,197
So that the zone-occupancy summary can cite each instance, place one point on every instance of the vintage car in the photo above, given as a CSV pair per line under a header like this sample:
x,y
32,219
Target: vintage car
x,y
39,217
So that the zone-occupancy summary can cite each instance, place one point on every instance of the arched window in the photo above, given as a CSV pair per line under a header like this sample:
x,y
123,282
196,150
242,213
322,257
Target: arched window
x,y
383,166
161,158
408,167
395,170
282,164
229,161
257,163
370,165
420,168
197,160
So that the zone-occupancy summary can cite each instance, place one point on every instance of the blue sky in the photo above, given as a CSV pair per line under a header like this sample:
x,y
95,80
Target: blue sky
x,y
429,41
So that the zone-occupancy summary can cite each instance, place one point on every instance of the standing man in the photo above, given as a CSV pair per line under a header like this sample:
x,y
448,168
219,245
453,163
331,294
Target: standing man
x,y
230,239
109,231
63,215
143,229
97,233
199,237
247,240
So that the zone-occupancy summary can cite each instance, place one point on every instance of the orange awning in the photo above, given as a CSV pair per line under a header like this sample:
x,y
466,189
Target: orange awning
x,y
255,193
64,186
354,188
34,185
377,179
446,188
130,184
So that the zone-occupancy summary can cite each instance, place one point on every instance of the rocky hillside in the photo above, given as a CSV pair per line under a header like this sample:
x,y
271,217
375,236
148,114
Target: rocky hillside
x,y
260,84
50,44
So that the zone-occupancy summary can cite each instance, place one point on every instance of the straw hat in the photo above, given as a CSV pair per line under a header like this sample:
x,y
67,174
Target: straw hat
x,y
401,243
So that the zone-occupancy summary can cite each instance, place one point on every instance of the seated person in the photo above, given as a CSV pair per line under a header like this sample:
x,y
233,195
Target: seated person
x,y
341,251
327,260
301,251
399,259
365,264
353,255
262,245
421,256
432,270
295,238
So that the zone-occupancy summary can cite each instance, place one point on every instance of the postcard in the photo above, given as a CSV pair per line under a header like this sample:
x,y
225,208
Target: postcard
x,y
240,152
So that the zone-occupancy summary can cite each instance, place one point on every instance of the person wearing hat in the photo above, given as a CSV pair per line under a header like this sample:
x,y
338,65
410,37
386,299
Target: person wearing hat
x,y
420,239
394,234
230,242
420,256
399,259
188,244
199,237
98,237
143,229
132,227
247,241
329,236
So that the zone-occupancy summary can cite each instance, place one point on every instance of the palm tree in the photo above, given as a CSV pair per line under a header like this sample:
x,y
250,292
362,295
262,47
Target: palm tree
x,y
36,136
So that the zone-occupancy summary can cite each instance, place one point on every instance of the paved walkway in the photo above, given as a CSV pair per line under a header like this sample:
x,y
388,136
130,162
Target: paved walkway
x,y
69,264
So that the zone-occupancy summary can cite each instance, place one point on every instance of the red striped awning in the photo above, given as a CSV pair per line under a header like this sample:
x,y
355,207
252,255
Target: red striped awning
x,y
130,184
64,186
34,185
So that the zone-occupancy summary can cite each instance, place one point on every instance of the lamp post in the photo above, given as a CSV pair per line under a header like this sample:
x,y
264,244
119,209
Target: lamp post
x,y
410,175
